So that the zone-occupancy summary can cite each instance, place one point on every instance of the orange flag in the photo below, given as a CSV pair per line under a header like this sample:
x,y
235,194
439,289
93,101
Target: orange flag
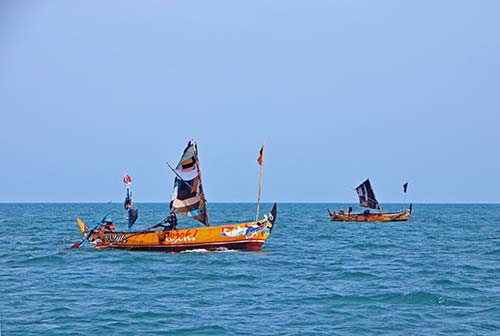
x,y
260,159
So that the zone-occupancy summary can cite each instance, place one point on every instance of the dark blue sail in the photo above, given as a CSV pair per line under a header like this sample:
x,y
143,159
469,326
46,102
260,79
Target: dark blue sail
x,y
366,196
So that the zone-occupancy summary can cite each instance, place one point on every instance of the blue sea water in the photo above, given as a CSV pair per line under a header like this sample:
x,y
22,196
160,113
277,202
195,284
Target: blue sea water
x,y
437,274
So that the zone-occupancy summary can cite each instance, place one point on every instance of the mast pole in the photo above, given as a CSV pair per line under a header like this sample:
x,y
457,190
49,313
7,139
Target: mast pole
x,y
201,184
405,186
375,198
404,200
260,182
178,176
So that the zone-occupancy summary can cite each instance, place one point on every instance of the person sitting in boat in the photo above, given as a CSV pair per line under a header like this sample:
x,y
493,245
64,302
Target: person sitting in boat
x,y
341,212
349,210
366,212
172,222
108,225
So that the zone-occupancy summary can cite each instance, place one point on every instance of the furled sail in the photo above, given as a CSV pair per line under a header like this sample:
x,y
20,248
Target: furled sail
x,y
128,204
133,213
366,195
188,198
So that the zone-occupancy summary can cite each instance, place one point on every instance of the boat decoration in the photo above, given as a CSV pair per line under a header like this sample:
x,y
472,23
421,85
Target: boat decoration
x,y
188,199
368,200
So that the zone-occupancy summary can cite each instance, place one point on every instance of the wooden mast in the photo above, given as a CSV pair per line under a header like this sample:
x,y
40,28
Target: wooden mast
x,y
260,160
201,184
405,189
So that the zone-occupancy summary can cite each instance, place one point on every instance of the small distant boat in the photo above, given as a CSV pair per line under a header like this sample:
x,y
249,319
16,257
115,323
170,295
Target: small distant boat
x,y
188,199
368,200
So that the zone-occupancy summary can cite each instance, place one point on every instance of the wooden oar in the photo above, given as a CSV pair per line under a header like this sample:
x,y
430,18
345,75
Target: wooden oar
x,y
86,237
79,243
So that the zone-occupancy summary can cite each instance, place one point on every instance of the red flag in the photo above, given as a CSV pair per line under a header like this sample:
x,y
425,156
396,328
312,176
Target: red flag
x,y
260,159
127,180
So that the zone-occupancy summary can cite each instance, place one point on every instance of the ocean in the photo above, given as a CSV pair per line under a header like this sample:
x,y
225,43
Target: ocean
x,y
437,274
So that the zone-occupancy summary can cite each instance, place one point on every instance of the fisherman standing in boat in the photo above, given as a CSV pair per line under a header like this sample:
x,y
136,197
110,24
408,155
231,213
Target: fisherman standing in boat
x,y
133,214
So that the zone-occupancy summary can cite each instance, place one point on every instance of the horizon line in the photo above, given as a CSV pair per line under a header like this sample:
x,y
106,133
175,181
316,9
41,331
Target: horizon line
x,y
231,202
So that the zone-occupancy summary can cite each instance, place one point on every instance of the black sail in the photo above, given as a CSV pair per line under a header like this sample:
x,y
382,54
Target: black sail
x,y
366,195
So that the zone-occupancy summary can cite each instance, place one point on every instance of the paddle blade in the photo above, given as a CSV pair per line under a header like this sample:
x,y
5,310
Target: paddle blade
x,y
76,245
83,228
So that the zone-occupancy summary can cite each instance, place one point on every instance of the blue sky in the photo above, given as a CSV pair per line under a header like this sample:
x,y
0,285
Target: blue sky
x,y
339,90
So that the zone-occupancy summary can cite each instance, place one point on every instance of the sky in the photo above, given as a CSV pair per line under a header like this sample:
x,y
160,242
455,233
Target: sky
x,y
339,91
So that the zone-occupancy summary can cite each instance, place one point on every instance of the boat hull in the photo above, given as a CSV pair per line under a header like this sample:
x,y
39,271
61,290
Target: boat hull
x,y
401,216
243,236
241,245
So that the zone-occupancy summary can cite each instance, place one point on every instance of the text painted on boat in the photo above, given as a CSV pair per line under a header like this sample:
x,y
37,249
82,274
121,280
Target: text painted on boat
x,y
115,238
174,237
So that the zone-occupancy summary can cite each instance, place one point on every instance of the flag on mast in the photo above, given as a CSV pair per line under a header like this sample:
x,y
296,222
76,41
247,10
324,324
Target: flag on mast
x,y
127,180
405,187
260,159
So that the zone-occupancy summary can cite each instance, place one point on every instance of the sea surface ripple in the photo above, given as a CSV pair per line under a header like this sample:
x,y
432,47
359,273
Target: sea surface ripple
x,y
437,274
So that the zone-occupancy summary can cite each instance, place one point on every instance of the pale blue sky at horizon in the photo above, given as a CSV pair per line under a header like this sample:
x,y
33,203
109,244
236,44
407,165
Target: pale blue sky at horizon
x,y
339,90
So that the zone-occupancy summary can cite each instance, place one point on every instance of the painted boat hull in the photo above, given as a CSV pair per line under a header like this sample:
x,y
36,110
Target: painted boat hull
x,y
401,216
241,245
243,236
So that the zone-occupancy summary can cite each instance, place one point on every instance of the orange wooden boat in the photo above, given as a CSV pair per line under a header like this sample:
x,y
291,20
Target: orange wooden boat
x,y
243,236
188,199
367,199
400,216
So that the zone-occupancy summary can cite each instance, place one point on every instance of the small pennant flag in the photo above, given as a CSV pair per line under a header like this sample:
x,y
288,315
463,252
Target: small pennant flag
x,y
405,187
260,159
127,180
